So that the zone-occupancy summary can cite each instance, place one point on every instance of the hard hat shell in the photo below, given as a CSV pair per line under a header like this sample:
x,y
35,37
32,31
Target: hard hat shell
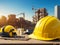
x,y
47,28
8,28
0,30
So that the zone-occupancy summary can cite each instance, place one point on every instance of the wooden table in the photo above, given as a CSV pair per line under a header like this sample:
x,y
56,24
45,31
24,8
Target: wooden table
x,y
30,41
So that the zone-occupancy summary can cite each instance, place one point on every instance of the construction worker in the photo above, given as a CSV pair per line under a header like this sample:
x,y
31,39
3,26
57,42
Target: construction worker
x,y
48,28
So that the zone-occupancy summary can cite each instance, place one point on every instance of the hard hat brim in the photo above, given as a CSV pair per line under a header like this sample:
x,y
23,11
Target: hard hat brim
x,y
39,38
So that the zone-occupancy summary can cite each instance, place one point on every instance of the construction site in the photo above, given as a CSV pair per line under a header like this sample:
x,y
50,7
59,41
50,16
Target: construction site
x,y
43,30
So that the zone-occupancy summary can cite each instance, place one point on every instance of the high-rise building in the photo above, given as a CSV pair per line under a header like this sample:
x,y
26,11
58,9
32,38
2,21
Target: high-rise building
x,y
12,16
3,21
11,19
40,13
57,11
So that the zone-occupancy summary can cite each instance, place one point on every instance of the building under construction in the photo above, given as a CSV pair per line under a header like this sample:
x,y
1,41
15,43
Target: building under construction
x,y
40,13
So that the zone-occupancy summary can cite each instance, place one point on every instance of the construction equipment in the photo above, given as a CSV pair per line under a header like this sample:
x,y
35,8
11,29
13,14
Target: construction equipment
x,y
23,14
47,28
8,31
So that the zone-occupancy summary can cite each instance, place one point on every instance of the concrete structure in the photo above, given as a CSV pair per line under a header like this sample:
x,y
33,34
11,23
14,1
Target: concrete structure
x,y
3,21
11,20
12,16
57,11
40,13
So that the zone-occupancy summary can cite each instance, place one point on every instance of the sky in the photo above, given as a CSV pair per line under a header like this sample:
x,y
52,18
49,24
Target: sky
x,y
25,6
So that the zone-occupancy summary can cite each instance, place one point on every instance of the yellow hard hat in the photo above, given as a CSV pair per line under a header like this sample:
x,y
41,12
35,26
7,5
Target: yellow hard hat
x,y
47,28
9,29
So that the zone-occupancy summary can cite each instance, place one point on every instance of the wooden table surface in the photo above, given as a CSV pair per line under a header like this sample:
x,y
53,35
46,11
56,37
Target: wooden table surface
x,y
30,41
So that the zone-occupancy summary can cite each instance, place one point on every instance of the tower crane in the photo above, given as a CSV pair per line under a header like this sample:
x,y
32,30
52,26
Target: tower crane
x,y
21,14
